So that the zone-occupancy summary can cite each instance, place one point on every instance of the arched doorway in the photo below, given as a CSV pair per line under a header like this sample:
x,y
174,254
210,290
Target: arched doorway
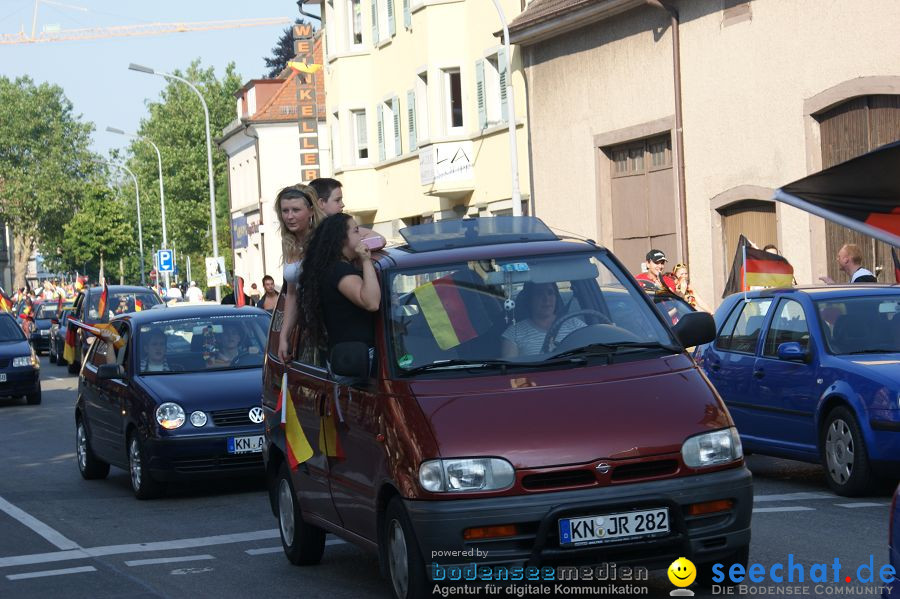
x,y
754,219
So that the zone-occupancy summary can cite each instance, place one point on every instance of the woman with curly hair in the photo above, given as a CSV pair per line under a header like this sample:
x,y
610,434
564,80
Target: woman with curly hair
x,y
339,290
297,207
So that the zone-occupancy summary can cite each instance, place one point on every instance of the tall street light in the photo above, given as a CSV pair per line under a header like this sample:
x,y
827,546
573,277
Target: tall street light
x,y
212,189
137,196
162,197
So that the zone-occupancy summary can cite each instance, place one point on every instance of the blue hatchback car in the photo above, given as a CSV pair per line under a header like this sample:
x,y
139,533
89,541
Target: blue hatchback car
x,y
813,374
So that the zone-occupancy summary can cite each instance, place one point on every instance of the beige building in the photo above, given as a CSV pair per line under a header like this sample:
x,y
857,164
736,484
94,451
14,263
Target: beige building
x,y
417,108
770,91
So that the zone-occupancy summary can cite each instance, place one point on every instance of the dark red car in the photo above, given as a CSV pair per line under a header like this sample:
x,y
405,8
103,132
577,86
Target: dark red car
x,y
488,436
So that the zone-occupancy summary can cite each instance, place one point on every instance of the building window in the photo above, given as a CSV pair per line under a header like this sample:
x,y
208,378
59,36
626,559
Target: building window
x,y
492,90
390,125
354,8
335,139
453,103
360,137
422,113
660,150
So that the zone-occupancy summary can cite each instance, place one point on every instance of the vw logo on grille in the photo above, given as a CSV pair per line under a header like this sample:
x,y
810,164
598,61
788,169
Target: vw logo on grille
x,y
256,415
602,467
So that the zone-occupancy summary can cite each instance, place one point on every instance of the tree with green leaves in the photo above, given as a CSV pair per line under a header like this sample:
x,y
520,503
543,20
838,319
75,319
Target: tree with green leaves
x,y
282,52
176,126
44,163
100,230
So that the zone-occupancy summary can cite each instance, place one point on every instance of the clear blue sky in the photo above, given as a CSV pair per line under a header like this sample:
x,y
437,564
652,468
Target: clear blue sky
x,y
94,74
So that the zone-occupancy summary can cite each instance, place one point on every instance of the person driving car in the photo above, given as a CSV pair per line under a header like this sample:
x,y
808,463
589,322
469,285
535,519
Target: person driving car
x,y
543,304
231,347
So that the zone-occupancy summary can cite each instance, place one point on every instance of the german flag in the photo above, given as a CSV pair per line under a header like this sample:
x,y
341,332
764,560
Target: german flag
x,y
6,304
753,268
69,350
138,304
239,292
103,303
448,314
329,440
27,312
298,448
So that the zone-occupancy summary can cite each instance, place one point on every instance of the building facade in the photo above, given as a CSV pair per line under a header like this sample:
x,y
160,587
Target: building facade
x,y
270,146
770,91
418,110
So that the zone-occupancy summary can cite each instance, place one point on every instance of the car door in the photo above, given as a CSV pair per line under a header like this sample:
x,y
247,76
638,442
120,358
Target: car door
x,y
102,422
785,391
729,360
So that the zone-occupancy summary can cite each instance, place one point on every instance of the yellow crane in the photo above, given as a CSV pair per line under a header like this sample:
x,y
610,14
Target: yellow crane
x,y
55,34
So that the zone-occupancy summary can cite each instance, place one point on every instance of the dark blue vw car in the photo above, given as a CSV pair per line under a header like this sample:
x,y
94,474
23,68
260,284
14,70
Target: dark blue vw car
x,y
813,374
181,399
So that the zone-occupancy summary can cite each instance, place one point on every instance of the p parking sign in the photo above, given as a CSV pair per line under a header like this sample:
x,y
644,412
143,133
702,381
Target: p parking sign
x,y
165,259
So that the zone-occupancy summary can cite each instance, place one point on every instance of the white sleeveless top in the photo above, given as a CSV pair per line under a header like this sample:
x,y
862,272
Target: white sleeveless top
x,y
292,273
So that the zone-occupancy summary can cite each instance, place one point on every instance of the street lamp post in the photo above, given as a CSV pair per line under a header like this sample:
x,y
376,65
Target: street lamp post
x,y
212,189
162,197
137,196
511,102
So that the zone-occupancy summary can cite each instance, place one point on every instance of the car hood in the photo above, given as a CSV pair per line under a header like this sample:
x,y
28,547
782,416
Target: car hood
x,y
554,418
13,349
884,368
219,390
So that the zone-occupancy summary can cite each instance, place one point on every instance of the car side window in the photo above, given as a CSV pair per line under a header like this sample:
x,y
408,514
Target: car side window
x,y
742,328
789,324
98,357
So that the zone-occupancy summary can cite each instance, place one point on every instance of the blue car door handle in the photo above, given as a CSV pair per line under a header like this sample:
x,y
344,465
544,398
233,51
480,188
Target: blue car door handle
x,y
758,373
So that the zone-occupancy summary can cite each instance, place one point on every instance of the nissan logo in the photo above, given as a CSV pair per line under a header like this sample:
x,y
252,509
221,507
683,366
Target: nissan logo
x,y
256,415
602,467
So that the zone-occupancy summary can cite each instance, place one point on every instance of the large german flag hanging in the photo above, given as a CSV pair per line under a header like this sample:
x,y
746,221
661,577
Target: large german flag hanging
x,y
298,449
448,315
753,269
69,350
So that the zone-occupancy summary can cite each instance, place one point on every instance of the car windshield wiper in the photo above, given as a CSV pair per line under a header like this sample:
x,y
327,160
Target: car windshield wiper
x,y
608,349
457,363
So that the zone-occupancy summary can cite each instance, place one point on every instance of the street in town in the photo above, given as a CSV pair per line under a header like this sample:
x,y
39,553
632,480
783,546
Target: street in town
x,y
63,536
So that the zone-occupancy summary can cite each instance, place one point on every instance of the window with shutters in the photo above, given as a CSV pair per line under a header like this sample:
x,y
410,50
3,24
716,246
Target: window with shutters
x,y
422,112
453,103
355,23
411,119
387,26
360,136
488,93
390,126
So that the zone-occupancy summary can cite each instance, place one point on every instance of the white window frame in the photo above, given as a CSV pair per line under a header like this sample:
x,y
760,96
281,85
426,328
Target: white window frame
x,y
354,135
423,111
348,7
447,101
388,122
492,93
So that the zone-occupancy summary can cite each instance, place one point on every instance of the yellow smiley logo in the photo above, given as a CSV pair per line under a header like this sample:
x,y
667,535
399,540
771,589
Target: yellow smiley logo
x,y
682,572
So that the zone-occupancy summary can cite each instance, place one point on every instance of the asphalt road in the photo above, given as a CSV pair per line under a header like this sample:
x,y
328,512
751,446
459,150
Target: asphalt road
x,y
62,536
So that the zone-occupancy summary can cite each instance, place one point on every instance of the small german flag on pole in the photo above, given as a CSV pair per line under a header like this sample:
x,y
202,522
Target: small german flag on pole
x,y
447,313
753,268
6,304
102,305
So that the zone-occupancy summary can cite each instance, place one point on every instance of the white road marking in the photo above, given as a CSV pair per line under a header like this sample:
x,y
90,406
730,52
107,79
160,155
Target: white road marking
x,y
793,497
167,560
279,549
760,510
43,573
181,571
51,535
60,556
861,504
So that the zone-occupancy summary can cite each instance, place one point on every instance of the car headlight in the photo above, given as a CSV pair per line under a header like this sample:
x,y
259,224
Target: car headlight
x,y
198,418
170,415
31,360
469,474
712,449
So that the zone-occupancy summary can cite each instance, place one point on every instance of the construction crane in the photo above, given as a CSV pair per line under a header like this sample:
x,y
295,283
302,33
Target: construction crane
x,y
51,34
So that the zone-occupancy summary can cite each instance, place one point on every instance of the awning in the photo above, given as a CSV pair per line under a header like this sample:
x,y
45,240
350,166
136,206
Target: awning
x,y
862,194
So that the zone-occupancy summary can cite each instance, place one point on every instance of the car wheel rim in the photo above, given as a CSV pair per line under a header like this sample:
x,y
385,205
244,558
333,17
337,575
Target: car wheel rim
x,y
839,451
286,512
134,460
81,447
397,558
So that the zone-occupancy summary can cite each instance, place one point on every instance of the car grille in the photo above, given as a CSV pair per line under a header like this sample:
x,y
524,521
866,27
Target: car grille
x,y
644,470
238,417
555,480
231,462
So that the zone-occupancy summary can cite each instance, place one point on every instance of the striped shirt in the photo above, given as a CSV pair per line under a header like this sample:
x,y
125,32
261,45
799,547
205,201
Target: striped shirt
x,y
530,339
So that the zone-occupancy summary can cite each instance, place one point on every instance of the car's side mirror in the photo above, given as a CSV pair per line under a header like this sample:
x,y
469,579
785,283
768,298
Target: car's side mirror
x,y
695,328
350,359
792,351
110,371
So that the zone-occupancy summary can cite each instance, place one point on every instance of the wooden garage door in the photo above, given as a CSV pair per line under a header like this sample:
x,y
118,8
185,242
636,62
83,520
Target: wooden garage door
x,y
644,208
849,130
754,219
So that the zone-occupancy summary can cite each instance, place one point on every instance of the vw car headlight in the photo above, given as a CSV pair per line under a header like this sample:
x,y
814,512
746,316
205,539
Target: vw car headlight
x,y
170,415
468,474
31,360
712,449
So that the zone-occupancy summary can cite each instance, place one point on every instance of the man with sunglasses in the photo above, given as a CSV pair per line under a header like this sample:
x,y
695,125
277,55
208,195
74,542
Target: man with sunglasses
x,y
654,279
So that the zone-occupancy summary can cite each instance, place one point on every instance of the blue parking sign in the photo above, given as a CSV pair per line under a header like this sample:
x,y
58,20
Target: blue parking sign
x,y
166,260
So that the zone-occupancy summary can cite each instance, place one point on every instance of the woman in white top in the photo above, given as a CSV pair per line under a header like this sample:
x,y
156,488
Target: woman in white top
x,y
543,305
299,214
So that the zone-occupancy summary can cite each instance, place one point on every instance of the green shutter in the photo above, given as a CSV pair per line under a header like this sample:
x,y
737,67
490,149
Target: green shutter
x,y
411,118
479,94
374,22
503,67
395,109
392,23
407,15
379,117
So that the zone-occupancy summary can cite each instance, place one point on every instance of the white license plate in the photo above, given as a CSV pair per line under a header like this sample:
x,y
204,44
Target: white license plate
x,y
252,444
592,530
2,377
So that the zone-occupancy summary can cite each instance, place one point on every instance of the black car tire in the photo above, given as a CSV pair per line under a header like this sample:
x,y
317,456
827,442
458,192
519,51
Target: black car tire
x,y
303,543
51,355
705,573
844,455
34,398
90,466
405,566
142,482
